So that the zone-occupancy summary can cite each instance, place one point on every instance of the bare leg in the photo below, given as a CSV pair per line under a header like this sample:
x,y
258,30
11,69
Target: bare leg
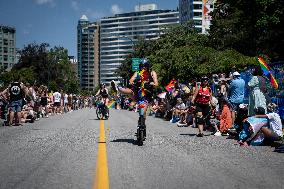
x,y
18,118
233,117
11,117
200,126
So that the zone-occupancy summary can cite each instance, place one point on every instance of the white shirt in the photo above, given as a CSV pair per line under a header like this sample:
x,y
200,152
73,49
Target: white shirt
x,y
66,98
180,106
57,97
275,123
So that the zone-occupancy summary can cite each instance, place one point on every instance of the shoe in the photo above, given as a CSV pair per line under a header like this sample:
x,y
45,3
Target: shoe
x,y
232,129
179,124
218,133
200,135
113,86
225,134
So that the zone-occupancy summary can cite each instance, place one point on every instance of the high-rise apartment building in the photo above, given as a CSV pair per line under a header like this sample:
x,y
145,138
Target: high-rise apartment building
x,y
198,11
88,53
7,46
119,33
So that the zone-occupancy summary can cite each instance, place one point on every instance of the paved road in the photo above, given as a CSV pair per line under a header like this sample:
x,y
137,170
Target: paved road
x,y
61,152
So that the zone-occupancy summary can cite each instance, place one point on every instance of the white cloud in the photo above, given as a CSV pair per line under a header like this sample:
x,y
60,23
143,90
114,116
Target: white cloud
x,y
74,5
42,2
91,14
115,9
26,32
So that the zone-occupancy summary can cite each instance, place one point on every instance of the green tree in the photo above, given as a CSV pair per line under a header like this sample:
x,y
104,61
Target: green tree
x,y
182,53
43,66
251,27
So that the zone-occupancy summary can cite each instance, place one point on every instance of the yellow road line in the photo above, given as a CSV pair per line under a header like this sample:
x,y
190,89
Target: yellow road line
x,y
101,179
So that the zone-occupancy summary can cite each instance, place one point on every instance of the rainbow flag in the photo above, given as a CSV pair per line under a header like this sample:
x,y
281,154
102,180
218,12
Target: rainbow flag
x,y
267,72
171,85
111,104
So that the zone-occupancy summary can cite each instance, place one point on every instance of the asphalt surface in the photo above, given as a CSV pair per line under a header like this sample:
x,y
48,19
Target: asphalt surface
x,y
61,152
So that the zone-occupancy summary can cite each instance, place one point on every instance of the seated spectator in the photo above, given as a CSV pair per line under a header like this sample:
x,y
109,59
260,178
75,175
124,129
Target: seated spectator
x,y
274,131
28,114
214,121
242,114
178,110
252,125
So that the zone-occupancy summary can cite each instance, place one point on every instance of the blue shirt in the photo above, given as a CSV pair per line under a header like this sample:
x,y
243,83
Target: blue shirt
x,y
237,91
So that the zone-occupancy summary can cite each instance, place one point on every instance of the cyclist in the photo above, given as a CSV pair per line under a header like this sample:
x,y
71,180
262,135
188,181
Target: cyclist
x,y
103,92
151,82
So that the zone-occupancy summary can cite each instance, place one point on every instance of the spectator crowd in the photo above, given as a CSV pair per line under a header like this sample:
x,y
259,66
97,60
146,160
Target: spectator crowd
x,y
21,103
223,104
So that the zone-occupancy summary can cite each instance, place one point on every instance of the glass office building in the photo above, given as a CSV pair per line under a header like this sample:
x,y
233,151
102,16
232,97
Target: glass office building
x,y
198,11
119,33
88,53
7,47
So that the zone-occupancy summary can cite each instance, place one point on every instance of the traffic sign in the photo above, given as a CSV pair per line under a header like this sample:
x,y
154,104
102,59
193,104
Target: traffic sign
x,y
135,64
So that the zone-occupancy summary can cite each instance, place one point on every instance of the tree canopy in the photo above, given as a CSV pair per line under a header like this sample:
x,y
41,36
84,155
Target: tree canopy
x,y
184,54
43,66
252,27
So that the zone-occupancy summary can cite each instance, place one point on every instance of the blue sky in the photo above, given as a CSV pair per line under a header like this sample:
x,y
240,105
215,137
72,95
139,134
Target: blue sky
x,y
55,21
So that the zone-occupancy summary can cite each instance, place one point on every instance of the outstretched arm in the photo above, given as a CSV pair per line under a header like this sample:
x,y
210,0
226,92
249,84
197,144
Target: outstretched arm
x,y
155,78
132,79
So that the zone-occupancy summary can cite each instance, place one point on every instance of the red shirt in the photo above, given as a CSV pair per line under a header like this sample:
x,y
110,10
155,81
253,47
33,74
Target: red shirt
x,y
203,96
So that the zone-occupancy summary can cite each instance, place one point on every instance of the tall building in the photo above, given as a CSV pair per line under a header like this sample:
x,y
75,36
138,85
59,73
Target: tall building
x,y
198,11
88,53
120,32
7,47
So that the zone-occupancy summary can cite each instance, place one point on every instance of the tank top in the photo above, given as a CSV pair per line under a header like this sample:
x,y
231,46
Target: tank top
x,y
203,96
103,93
16,92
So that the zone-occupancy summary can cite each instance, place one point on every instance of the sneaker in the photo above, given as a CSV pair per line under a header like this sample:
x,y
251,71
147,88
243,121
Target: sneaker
x,y
218,133
180,124
225,134
200,135
113,86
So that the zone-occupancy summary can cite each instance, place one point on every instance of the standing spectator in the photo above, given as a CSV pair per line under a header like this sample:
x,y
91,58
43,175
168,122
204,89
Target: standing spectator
x,y
16,92
202,97
256,97
57,101
236,93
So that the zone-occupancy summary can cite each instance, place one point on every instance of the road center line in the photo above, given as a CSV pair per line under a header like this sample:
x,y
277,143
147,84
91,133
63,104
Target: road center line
x,y
101,178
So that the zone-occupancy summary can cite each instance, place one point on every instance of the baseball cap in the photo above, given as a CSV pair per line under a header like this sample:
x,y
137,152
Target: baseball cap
x,y
236,74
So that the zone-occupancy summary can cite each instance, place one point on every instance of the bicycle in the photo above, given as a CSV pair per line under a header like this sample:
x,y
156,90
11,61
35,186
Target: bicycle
x,y
102,110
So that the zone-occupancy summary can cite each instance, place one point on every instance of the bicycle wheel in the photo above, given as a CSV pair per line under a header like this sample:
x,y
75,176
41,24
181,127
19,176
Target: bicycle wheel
x,y
99,113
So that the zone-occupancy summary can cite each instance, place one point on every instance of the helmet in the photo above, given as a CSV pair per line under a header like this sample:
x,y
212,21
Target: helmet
x,y
144,63
102,85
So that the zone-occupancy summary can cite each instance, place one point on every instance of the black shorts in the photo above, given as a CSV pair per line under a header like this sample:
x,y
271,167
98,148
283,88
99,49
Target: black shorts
x,y
43,101
204,108
57,104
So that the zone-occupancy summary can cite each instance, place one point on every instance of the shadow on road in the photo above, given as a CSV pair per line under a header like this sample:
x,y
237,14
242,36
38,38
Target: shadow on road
x,y
189,134
131,141
192,134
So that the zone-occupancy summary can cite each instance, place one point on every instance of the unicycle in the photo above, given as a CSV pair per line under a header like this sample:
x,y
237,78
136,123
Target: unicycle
x,y
141,129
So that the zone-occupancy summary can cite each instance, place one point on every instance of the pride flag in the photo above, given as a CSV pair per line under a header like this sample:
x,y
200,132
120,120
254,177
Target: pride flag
x,y
171,85
267,72
111,104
